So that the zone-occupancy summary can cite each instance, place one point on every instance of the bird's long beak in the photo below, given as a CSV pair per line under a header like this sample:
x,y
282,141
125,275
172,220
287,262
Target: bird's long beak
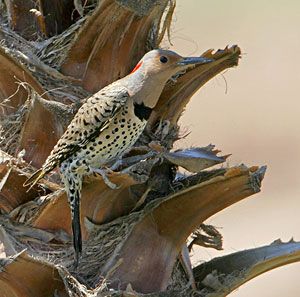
x,y
194,61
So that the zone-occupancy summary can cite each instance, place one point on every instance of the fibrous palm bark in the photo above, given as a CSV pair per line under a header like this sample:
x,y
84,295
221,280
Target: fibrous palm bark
x,y
53,55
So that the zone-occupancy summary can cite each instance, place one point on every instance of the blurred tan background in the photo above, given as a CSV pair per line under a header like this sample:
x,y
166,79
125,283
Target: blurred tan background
x,y
258,121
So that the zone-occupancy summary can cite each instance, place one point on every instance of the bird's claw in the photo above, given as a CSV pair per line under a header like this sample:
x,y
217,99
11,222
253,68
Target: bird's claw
x,y
110,184
116,165
103,172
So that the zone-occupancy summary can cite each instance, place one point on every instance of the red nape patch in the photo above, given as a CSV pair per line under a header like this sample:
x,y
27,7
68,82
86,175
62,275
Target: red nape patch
x,y
138,65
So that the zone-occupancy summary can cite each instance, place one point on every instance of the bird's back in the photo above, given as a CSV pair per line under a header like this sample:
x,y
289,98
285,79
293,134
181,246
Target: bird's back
x,y
93,117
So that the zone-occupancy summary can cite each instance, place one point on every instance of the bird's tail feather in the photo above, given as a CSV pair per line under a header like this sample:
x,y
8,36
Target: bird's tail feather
x,y
34,178
76,228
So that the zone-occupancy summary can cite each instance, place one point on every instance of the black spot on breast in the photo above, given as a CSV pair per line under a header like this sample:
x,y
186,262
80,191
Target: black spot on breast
x,y
141,111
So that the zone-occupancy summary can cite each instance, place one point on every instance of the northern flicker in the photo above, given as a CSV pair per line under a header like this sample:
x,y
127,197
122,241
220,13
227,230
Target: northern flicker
x,y
108,123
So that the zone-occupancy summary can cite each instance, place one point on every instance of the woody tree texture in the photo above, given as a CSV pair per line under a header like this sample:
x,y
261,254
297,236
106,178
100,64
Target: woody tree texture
x,y
137,238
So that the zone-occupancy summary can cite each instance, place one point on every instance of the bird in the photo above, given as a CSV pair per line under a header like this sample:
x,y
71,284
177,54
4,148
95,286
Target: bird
x,y
107,124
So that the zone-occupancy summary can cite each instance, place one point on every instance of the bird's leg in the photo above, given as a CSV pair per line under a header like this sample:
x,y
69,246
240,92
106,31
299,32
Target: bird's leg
x,y
103,173
117,164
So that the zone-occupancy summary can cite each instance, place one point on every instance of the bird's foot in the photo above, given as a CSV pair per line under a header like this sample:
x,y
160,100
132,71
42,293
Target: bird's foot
x,y
103,173
116,165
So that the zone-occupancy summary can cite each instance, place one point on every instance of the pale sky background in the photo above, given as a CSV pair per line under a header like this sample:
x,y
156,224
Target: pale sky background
x,y
257,121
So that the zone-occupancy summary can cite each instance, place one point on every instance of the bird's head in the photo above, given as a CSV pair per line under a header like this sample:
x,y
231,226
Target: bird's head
x,y
151,73
163,64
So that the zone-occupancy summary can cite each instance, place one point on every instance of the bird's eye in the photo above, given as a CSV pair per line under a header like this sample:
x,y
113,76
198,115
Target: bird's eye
x,y
163,59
